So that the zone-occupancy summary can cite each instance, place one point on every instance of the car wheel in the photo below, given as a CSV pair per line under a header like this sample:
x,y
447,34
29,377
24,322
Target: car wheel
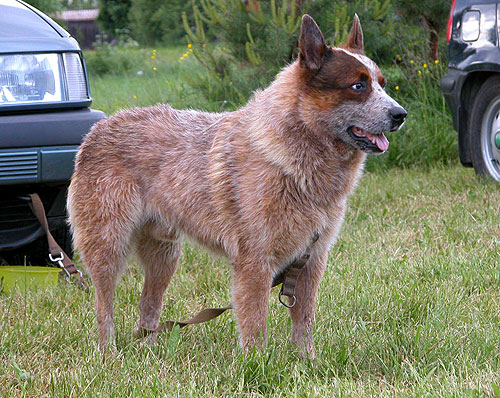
x,y
484,129
37,252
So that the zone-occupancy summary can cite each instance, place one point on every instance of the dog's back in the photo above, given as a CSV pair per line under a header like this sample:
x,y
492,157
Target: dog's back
x,y
135,155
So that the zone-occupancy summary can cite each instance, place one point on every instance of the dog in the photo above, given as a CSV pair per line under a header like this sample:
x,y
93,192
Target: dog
x,y
255,185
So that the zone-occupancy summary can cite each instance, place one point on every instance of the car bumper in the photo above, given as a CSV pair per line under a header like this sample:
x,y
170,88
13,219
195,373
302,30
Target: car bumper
x,y
36,165
48,128
451,86
41,147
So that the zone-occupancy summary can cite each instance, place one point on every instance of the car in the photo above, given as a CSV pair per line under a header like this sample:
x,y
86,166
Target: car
x,y
44,115
471,85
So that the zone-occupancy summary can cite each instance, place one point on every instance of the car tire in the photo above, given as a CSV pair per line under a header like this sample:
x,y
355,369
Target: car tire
x,y
37,252
484,130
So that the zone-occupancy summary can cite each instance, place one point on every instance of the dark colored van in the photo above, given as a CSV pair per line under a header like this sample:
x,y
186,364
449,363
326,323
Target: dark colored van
x,y
472,85
44,114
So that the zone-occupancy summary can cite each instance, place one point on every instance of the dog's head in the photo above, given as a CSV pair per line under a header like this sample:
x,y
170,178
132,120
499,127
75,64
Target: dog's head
x,y
343,90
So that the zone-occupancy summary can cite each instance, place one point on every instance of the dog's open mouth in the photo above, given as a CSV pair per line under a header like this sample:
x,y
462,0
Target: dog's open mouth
x,y
367,141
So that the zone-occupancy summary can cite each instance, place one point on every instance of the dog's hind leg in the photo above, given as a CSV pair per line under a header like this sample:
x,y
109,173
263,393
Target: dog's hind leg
x,y
105,259
103,221
159,258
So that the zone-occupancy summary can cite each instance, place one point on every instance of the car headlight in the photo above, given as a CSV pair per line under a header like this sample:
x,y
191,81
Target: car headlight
x,y
41,78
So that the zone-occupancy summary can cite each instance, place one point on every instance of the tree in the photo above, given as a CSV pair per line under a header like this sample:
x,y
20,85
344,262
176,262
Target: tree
x,y
256,38
46,6
113,15
153,21
433,13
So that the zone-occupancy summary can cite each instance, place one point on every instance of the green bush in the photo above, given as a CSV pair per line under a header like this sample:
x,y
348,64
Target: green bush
x,y
427,136
116,58
255,41
433,13
46,6
113,15
156,21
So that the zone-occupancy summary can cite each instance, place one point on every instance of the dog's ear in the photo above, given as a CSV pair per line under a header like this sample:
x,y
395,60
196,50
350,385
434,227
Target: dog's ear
x,y
312,46
355,39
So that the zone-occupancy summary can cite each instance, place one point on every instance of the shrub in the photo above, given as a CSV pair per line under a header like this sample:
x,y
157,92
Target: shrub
x,y
113,15
154,21
114,58
257,39
427,137
433,13
46,6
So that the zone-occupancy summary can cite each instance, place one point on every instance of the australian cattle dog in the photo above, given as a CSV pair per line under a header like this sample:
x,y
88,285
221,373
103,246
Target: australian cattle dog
x,y
255,185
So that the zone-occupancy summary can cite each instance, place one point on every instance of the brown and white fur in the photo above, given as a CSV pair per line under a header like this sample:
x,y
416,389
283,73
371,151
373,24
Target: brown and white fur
x,y
254,185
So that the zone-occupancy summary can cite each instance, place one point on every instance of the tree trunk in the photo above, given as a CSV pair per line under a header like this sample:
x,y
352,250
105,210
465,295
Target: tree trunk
x,y
434,38
434,44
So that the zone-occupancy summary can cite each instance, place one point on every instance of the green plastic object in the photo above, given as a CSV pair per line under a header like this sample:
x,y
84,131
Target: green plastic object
x,y
30,277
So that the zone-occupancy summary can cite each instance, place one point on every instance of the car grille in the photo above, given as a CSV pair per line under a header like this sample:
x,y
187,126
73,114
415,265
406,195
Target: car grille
x,y
15,165
15,213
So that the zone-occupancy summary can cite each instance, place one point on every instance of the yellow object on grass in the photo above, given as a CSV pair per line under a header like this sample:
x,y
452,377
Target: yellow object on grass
x,y
18,276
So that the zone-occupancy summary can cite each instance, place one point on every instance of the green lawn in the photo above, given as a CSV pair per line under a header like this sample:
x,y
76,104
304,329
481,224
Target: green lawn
x,y
409,306
142,85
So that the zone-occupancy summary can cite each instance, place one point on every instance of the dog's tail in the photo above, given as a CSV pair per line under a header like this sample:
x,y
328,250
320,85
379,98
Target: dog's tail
x,y
104,202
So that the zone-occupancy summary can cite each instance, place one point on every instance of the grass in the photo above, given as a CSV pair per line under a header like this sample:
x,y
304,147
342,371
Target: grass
x,y
143,86
409,306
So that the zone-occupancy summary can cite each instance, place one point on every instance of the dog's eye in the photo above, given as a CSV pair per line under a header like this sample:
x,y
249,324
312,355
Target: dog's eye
x,y
360,86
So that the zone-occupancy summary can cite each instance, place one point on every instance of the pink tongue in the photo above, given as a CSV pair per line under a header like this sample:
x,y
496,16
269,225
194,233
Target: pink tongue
x,y
380,139
382,142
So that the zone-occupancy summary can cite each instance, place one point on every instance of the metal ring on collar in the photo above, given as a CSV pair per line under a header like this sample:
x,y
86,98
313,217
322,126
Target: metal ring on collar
x,y
285,304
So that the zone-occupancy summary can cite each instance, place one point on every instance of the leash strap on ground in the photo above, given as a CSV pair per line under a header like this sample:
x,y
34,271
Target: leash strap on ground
x,y
201,317
287,278
56,253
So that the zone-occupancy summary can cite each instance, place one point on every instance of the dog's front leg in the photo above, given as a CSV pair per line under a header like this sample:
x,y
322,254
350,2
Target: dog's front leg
x,y
303,312
251,288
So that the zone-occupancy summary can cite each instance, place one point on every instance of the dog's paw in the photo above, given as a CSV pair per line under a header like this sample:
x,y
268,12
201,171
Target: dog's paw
x,y
145,336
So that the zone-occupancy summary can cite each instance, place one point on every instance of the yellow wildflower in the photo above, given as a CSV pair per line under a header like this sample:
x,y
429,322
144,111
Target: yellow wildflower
x,y
412,62
154,68
396,88
190,45
135,97
152,57
425,65
436,61
420,73
154,51
190,50
185,55
181,59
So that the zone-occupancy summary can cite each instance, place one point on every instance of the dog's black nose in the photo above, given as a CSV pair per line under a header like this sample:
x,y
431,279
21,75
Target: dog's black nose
x,y
398,115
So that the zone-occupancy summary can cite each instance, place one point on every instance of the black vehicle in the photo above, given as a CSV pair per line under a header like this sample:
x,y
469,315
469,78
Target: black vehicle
x,y
472,85
44,114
